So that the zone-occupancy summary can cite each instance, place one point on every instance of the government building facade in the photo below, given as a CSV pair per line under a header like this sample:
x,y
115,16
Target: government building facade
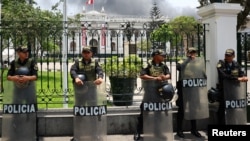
x,y
108,34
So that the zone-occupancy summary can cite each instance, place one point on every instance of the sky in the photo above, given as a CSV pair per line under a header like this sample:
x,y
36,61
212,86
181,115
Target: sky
x,y
170,8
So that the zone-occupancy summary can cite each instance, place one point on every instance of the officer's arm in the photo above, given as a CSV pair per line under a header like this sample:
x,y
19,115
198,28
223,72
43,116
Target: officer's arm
x,y
222,74
166,77
242,76
34,71
178,66
148,77
33,75
73,71
167,74
99,71
11,73
145,75
30,77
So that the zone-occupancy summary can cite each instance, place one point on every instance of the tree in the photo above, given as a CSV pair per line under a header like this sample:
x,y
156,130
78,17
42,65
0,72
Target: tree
x,y
178,26
26,25
155,15
178,31
144,45
242,16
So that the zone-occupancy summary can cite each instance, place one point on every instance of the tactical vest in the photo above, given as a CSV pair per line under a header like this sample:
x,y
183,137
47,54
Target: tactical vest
x,y
234,71
27,64
156,70
88,69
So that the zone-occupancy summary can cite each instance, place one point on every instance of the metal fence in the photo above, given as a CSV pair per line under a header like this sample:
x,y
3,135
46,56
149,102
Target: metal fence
x,y
55,48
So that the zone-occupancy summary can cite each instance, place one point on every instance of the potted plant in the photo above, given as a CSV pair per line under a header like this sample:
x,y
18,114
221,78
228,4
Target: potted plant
x,y
122,73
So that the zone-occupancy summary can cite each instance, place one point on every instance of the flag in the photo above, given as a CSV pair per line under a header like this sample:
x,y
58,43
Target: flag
x,y
90,2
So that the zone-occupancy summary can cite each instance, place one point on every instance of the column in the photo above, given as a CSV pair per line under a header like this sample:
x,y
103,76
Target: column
x,y
220,20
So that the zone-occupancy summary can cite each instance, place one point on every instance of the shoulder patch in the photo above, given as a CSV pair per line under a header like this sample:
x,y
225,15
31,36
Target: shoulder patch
x,y
145,65
180,61
218,65
35,67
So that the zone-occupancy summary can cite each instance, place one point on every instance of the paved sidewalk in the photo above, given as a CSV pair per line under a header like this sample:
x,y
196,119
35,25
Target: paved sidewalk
x,y
188,137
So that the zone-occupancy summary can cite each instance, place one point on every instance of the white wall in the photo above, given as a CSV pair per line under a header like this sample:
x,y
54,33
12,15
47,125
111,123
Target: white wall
x,y
221,20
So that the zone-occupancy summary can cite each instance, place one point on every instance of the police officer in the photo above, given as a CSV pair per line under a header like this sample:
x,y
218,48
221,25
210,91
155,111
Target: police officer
x,y
191,97
21,79
86,74
87,66
228,69
155,70
23,72
91,70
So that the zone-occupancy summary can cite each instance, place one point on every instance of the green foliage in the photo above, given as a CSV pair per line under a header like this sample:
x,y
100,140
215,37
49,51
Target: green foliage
x,y
128,67
144,45
172,31
155,15
155,12
28,24
50,90
183,24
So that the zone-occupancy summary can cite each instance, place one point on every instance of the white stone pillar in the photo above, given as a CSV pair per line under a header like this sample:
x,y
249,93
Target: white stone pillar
x,y
221,20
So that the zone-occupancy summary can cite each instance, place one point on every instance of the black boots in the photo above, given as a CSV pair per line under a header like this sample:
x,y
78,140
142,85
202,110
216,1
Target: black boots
x,y
137,136
180,134
196,133
179,125
194,130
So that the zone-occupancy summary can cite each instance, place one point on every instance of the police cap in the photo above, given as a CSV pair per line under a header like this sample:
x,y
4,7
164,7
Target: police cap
x,y
158,52
22,49
192,49
86,49
229,52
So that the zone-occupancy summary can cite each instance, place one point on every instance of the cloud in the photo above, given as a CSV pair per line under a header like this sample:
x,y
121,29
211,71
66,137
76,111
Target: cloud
x,y
122,7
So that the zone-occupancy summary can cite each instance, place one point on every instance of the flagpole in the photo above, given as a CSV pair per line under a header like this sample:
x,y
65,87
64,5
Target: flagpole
x,y
64,55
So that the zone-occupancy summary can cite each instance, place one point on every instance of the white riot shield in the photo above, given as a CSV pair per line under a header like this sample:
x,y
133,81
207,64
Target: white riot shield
x,y
157,114
235,102
194,84
90,120
19,112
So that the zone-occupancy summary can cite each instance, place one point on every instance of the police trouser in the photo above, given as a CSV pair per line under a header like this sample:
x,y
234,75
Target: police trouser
x,y
221,109
180,113
140,121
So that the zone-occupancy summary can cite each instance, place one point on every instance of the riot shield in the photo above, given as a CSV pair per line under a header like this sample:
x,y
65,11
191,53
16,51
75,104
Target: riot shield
x,y
90,120
19,112
235,102
194,85
157,114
